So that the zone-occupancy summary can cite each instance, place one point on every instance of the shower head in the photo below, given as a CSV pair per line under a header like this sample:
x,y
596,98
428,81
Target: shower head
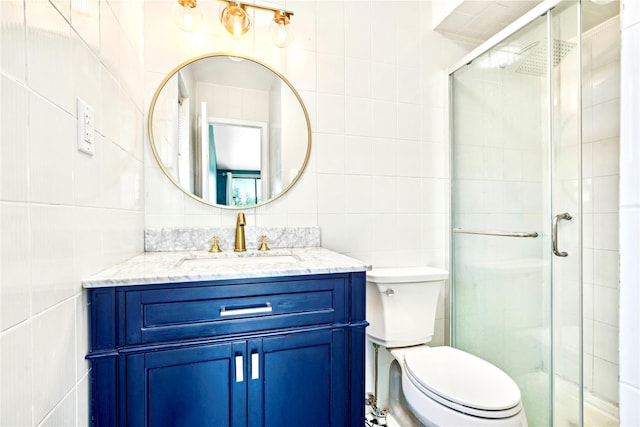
x,y
535,63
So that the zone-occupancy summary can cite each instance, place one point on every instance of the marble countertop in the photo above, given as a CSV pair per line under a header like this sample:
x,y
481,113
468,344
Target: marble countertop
x,y
194,266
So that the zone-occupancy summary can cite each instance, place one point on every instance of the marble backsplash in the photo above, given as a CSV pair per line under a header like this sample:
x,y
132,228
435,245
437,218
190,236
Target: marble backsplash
x,y
199,239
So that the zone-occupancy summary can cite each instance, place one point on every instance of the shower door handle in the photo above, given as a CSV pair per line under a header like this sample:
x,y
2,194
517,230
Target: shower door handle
x,y
554,236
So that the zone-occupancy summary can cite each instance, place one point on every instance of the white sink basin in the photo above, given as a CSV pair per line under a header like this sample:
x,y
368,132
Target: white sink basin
x,y
201,260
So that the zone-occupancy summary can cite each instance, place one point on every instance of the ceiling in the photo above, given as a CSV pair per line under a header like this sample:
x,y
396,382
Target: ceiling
x,y
475,21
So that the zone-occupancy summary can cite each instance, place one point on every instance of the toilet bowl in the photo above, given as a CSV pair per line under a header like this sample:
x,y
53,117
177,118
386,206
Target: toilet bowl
x,y
442,385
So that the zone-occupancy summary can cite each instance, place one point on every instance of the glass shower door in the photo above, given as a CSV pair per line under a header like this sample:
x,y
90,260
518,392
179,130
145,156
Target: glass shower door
x,y
516,167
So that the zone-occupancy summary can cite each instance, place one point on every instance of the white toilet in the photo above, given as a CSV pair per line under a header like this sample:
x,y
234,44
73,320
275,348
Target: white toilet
x,y
442,385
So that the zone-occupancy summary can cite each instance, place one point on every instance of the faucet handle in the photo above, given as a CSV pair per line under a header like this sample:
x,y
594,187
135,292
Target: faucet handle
x,y
215,247
263,245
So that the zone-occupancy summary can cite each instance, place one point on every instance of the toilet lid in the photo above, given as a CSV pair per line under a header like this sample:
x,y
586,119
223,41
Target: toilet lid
x,y
463,381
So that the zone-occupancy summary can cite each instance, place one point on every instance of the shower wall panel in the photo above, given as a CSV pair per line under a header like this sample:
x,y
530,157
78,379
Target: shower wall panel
x,y
601,175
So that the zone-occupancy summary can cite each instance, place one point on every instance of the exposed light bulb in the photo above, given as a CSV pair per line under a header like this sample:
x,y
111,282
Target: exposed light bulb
x,y
281,31
235,20
186,16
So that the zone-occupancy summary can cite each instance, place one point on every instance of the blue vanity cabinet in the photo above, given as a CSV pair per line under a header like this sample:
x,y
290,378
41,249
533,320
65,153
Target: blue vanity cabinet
x,y
286,351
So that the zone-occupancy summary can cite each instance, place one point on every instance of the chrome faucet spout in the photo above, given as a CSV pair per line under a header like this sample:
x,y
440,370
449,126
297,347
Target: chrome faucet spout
x,y
240,245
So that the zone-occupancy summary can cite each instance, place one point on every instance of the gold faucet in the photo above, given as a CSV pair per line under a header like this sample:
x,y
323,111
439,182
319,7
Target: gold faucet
x,y
240,245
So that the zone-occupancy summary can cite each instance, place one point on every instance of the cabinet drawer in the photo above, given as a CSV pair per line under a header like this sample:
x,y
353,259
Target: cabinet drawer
x,y
203,311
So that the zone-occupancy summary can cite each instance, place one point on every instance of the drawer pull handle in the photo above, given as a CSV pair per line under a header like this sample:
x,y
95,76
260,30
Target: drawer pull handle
x,y
239,369
255,366
264,308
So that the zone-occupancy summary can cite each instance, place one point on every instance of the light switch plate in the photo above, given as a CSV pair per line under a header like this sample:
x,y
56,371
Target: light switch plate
x,y
86,134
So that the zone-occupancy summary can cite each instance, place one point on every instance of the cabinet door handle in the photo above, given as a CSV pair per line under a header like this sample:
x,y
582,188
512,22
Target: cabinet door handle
x,y
255,366
239,369
262,308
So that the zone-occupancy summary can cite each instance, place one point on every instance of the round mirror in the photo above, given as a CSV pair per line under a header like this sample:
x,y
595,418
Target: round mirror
x,y
229,131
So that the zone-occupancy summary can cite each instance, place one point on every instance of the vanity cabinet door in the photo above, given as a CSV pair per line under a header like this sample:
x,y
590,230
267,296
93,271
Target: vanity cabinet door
x,y
301,380
187,387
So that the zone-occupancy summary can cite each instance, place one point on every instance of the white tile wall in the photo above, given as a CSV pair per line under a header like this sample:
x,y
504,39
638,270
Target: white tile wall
x,y
63,215
374,85
601,177
630,217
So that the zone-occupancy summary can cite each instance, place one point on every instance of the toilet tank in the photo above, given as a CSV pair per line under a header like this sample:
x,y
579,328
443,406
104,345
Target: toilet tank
x,y
401,304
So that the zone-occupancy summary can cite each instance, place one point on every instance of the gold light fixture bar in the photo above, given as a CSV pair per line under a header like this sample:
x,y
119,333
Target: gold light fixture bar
x,y
287,13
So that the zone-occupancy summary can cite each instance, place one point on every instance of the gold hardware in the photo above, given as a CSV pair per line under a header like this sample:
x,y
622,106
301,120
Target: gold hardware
x,y
263,246
215,247
240,245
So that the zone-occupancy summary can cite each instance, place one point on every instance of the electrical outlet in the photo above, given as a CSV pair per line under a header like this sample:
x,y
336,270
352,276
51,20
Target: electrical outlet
x,y
86,135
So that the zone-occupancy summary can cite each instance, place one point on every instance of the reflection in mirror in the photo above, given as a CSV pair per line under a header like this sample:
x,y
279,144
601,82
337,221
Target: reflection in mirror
x,y
229,131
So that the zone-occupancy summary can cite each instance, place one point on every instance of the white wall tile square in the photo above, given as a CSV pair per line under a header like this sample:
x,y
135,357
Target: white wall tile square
x,y
51,137
384,81
53,335
359,116
409,85
331,74
385,120
605,381
12,31
357,30
606,268
605,194
330,113
358,155
331,194
331,153
385,156
16,368
51,227
409,122
64,414
358,77
330,31
64,7
15,280
383,35
409,158
606,157
15,151
85,19
49,54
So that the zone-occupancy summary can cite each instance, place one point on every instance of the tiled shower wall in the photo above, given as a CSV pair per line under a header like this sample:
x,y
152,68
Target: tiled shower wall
x,y
372,76
64,215
601,176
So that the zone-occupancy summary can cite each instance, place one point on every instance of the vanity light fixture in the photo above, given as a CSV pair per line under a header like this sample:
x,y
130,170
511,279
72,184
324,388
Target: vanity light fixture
x,y
186,15
236,21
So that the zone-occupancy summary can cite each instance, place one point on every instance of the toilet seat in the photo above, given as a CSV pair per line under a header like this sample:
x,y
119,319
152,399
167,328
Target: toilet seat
x,y
462,381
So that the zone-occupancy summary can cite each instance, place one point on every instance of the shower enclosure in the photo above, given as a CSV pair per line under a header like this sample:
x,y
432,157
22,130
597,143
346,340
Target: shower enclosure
x,y
534,146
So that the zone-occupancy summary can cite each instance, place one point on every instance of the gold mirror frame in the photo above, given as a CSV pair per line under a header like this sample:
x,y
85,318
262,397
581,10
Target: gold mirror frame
x,y
174,181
